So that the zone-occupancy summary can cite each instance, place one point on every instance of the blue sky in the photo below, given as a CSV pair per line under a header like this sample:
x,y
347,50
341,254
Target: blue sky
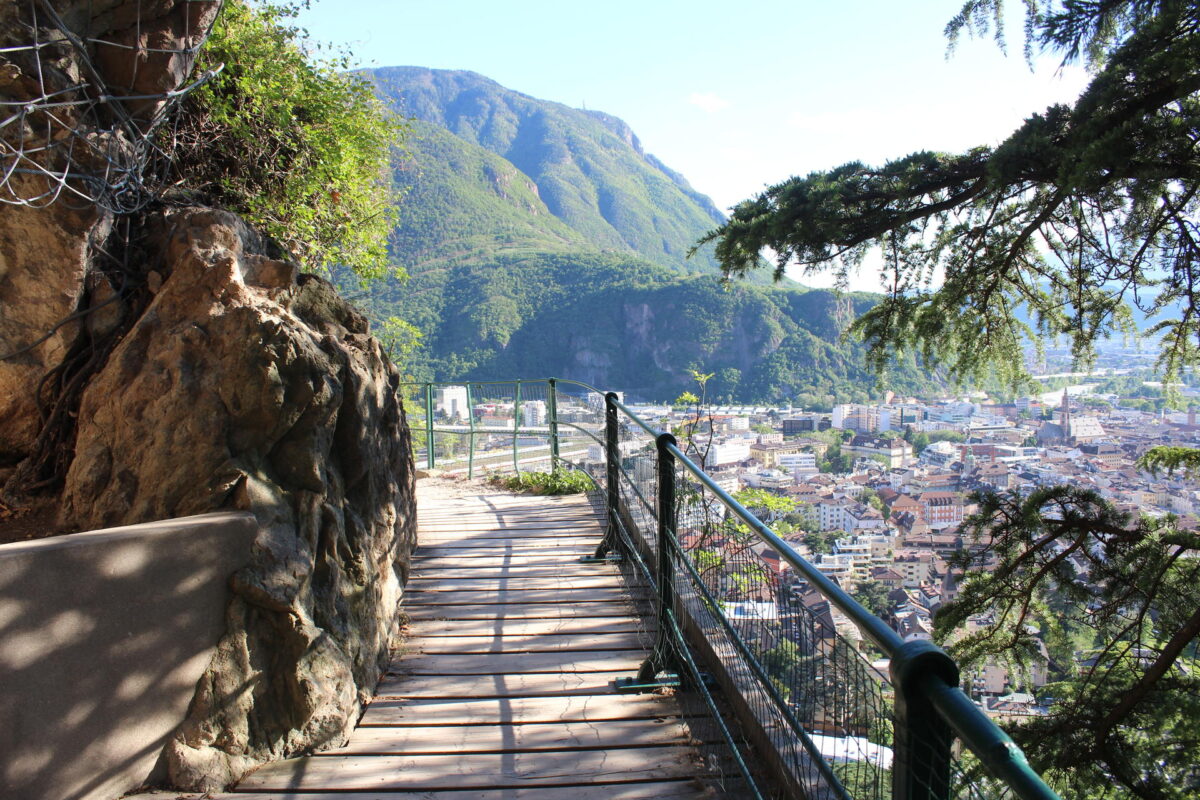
x,y
735,96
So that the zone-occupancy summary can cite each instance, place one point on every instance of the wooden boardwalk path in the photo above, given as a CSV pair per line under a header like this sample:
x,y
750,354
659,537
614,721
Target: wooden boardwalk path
x,y
504,689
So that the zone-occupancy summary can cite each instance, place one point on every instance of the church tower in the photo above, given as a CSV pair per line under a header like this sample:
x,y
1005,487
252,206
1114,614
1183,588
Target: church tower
x,y
1065,419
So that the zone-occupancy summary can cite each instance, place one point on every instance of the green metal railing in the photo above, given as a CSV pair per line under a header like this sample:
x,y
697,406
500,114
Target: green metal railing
x,y
481,427
780,671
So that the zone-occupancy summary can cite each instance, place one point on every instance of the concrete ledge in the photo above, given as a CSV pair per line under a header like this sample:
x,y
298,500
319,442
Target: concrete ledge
x,y
103,636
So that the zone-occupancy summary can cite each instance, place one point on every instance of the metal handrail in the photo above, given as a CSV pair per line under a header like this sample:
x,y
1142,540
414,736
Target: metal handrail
x,y
919,669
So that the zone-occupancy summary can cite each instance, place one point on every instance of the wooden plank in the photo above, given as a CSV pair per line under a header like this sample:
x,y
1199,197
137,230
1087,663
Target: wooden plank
x,y
581,626
468,687
657,790
433,583
490,770
564,536
508,519
476,524
463,739
526,529
486,511
492,502
481,710
542,547
526,644
525,597
516,529
582,540
492,538
515,557
512,611
517,663
507,561
562,569
561,517
470,525
496,547
513,651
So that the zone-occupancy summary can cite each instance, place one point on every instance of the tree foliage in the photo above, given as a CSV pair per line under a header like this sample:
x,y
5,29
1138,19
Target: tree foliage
x,y
1116,601
296,145
1081,212
874,597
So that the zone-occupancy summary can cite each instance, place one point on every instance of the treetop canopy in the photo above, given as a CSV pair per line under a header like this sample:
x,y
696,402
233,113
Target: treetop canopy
x,y
1081,214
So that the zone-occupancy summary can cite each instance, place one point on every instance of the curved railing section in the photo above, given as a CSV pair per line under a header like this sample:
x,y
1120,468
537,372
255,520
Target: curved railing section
x,y
792,688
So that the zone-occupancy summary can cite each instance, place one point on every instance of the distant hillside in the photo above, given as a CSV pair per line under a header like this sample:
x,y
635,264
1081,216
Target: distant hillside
x,y
462,200
542,240
619,322
587,169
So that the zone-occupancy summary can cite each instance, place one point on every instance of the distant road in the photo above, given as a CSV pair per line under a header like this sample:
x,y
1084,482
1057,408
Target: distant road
x,y
1100,373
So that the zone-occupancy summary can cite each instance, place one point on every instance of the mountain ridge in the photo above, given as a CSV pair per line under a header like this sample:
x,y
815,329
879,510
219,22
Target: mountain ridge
x,y
542,239
608,189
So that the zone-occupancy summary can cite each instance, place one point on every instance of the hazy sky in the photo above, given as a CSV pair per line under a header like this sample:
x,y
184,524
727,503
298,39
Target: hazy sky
x,y
735,96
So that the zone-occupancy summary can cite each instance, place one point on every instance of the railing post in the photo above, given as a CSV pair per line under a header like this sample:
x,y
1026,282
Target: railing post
x,y
666,527
612,460
429,464
470,434
921,766
612,477
665,568
516,428
552,421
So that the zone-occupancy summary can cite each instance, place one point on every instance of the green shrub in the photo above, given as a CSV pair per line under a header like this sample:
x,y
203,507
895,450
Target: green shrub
x,y
298,146
559,481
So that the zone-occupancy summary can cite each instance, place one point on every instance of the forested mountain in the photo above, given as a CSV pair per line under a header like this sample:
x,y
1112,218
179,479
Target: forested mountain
x,y
586,168
542,240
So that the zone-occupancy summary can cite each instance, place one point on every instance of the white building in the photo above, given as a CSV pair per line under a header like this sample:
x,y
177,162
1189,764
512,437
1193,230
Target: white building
x,y
831,514
730,451
452,401
957,413
939,454
836,567
859,553
767,479
534,412
801,465
596,399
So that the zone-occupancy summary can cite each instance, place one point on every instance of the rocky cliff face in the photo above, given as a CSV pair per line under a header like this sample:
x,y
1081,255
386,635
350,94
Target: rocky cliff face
x,y
244,385
204,373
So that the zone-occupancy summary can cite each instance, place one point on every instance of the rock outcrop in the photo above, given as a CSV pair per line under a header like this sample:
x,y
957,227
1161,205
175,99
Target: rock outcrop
x,y
49,232
244,385
205,374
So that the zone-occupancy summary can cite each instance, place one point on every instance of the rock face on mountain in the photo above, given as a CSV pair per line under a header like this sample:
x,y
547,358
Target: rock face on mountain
x,y
201,372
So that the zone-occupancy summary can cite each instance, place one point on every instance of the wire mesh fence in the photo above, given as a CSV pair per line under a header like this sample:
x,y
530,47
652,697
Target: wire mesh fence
x,y
806,703
83,111
478,428
824,713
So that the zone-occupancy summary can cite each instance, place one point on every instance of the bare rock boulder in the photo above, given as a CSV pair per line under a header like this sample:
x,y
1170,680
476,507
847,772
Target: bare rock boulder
x,y
246,386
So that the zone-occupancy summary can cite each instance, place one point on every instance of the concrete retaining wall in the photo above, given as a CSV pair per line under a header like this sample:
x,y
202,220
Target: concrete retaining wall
x,y
103,636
